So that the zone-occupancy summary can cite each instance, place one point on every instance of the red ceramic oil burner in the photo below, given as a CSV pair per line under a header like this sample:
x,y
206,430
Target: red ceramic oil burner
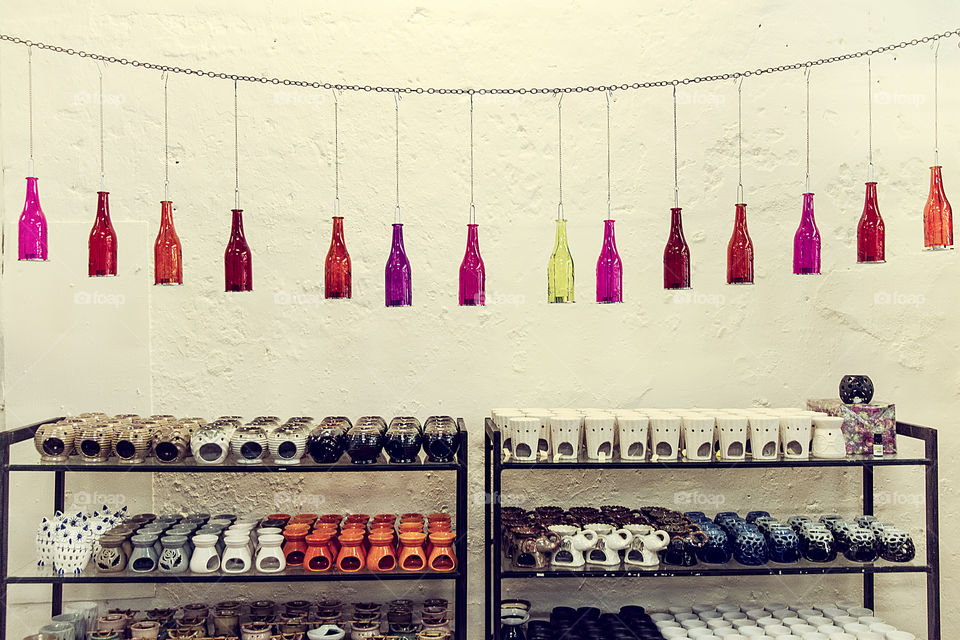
x,y
318,556
382,556
442,557
412,557
351,557
295,545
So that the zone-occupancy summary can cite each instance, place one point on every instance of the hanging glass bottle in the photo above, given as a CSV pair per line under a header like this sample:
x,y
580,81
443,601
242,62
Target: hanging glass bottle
x,y
32,226
167,252
870,229
676,255
472,272
338,279
102,244
806,241
560,267
398,283
740,250
609,268
937,215
237,259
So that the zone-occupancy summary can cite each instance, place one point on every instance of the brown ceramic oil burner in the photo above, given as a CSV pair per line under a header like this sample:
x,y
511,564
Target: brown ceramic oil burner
x,y
55,440
171,444
255,631
95,441
145,629
533,551
263,609
132,442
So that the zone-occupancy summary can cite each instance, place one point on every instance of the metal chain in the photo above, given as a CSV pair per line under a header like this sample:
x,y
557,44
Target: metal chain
x,y
236,147
100,98
30,101
936,107
336,154
740,141
472,218
396,129
676,162
608,157
807,181
869,120
166,143
481,91
560,155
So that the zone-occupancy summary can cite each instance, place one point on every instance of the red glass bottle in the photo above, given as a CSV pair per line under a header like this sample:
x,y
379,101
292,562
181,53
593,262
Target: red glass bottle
x,y
676,255
473,279
740,250
102,245
338,279
237,259
937,215
870,231
167,253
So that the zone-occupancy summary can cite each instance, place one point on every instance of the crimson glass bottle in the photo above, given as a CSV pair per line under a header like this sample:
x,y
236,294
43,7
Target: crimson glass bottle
x,y
33,226
338,278
473,277
167,253
676,255
740,250
870,231
609,268
237,259
806,241
398,290
102,245
937,215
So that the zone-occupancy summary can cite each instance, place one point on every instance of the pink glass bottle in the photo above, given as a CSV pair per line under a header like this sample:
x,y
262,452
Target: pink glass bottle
x,y
102,244
33,226
237,259
806,241
740,250
609,268
937,215
338,277
870,231
398,290
167,252
676,255
473,277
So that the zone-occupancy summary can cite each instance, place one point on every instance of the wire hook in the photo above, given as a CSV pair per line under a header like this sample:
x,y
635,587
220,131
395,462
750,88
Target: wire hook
x,y
334,92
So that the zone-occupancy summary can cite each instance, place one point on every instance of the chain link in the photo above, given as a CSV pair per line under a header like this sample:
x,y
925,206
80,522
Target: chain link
x,y
481,91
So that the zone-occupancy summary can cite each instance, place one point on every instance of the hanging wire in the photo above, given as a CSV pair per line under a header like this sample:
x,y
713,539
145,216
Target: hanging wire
x,y
740,141
336,154
869,120
30,102
236,148
807,181
560,155
473,209
676,162
396,130
608,156
100,100
166,142
936,106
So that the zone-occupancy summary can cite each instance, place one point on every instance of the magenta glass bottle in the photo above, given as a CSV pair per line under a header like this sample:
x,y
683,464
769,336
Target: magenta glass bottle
x,y
740,250
398,290
473,277
806,242
676,255
237,259
870,231
338,276
33,226
102,245
609,268
167,253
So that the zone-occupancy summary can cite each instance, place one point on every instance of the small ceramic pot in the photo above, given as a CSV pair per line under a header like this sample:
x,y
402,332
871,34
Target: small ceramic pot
x,y
327,442
599,430
795,436
783,543
364,443
255,631
143,557
146,629
270,557
764,434
565,434
95,441
205,557
895,545
110,557
441,438
288,443
750,547
132,442
55,440
828,441
633,431
861,545
664,436
249,444
175,556
403,441
732,430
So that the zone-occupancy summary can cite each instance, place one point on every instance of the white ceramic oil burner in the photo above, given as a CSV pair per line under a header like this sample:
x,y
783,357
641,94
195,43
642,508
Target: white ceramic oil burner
x,y
795,435
573,542
664,436
646,545
732,430
698,433
764,432
599,429
828,439
633,431
565,432
501,419
609,543
525,432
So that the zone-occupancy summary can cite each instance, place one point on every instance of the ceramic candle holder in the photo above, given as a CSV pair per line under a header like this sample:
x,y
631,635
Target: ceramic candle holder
x,y
249,444
698,433
172,444
565,432
55,440
501,418
828,441
633,431
210,444
733,437
526,436
133,442
288,443
764,432
599,430
795,436
664,437
543,442
95,441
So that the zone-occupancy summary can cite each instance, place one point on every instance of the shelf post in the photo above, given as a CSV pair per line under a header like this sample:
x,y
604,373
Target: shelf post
x,y
868,577
4,529
933,534
460,607
497,552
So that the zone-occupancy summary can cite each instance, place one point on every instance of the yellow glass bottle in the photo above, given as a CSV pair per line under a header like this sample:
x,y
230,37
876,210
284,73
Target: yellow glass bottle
x,y
560,268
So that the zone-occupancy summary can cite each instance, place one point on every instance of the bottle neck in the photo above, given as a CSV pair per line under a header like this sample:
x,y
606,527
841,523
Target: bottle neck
x,y
936,179
398,236
561,233
807,207
103,205
236,227
338,230
676,222
166,213
33,194
473,235
740,217
609,239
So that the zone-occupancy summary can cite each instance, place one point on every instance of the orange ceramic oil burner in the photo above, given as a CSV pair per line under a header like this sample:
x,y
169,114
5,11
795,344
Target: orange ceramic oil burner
x,y
412,557
411,527
352,556
319,555
304,518
442,557
295,545
382,556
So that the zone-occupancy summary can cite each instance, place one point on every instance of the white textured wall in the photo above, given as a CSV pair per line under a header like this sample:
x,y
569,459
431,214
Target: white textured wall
x,y
780,342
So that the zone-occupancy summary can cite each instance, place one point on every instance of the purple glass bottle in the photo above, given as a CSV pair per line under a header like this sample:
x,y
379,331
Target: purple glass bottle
x,y
33,226
473,279
237,259
806,242
676,255
609,268
398,289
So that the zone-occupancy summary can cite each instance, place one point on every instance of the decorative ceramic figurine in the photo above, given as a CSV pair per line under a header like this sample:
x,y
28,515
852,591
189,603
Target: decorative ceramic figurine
x,y
609,543
55,440
856,389
573,542
828,439
533,551
249,444
210,444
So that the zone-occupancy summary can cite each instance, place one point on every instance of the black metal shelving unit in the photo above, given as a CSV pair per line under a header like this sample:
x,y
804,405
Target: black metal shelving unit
x,y
498,569
34,575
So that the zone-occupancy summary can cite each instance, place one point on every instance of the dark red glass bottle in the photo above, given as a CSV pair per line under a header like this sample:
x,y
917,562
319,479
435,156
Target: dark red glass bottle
x,y
167,253
676,255
338,278
102,245
237,259
740,250
870,231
